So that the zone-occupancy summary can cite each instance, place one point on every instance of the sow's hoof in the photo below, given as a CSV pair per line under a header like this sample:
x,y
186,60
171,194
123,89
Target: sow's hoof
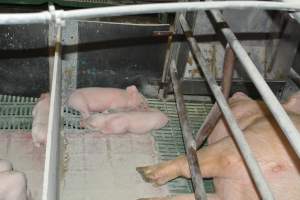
x,y
155,174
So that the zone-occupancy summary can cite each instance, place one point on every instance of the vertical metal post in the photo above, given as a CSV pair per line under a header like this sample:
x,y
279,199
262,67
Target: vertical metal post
x,y
189,141
69,62
237,134
215,112
171,54
51,169
51,43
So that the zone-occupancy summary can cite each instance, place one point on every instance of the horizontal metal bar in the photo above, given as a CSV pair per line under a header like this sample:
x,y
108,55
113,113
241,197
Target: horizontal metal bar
x,y
266,93
189,141
237,134
296,16
199,87
46,16
51,170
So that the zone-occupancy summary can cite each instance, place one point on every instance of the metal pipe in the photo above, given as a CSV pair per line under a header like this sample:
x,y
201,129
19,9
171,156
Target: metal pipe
x,y
51,176
228,66
296,16
295,76
270,99
237,134
215,113
189,141
46,16
164,79
172,53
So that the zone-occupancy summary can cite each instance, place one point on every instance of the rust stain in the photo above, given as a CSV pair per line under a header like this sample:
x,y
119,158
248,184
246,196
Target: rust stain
x,y
213,60
195,73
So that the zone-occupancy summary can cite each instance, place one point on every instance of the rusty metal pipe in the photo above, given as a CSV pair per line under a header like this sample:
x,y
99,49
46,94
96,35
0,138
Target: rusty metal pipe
x,y
164,80
215,112
189,142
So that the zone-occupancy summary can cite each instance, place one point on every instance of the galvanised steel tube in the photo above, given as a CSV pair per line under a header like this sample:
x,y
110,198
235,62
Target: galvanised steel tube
x,y
46,16
189,142
270,99
237,134
51,172
294,15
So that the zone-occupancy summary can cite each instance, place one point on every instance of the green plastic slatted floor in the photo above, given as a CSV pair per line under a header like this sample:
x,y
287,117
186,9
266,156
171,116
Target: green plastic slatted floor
x,y
15,113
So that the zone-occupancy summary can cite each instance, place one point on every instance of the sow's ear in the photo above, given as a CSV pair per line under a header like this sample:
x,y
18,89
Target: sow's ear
x,y
132,89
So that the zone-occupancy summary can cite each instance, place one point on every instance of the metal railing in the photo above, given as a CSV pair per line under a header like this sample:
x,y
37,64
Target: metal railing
x,y
52,156
51,179
112,11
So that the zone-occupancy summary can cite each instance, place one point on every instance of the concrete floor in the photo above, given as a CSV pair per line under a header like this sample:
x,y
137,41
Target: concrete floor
x,y
104,166
96,166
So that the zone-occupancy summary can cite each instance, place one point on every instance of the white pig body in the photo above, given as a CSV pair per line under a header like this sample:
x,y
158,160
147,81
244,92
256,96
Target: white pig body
x,y
136,122
40,114
97,99
222,161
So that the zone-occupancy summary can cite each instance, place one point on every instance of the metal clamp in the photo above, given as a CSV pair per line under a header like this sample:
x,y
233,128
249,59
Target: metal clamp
x,y
56,16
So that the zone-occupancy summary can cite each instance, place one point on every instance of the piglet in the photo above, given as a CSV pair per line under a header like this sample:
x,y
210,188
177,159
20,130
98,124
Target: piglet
x,y
13,184
136,122
97,99
40,114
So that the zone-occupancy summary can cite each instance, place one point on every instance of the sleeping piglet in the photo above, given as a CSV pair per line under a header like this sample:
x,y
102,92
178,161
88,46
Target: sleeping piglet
x,y
97,99
136,122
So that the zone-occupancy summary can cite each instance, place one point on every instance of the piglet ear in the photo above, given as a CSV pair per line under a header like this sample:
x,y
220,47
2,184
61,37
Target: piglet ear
x,y
132,89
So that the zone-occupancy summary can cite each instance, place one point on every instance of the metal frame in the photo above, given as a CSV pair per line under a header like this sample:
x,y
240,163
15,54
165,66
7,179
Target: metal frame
x,y
51,174
215,113
238,135
273,104
48,16
189,142
52,157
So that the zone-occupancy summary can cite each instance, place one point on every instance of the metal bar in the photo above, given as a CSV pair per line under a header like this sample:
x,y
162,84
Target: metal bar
x,y
189,141
296,16
286,51
238,135
165,75
51,174
270,99
228,67
172,53
295,76
46,16
199,86
215,113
